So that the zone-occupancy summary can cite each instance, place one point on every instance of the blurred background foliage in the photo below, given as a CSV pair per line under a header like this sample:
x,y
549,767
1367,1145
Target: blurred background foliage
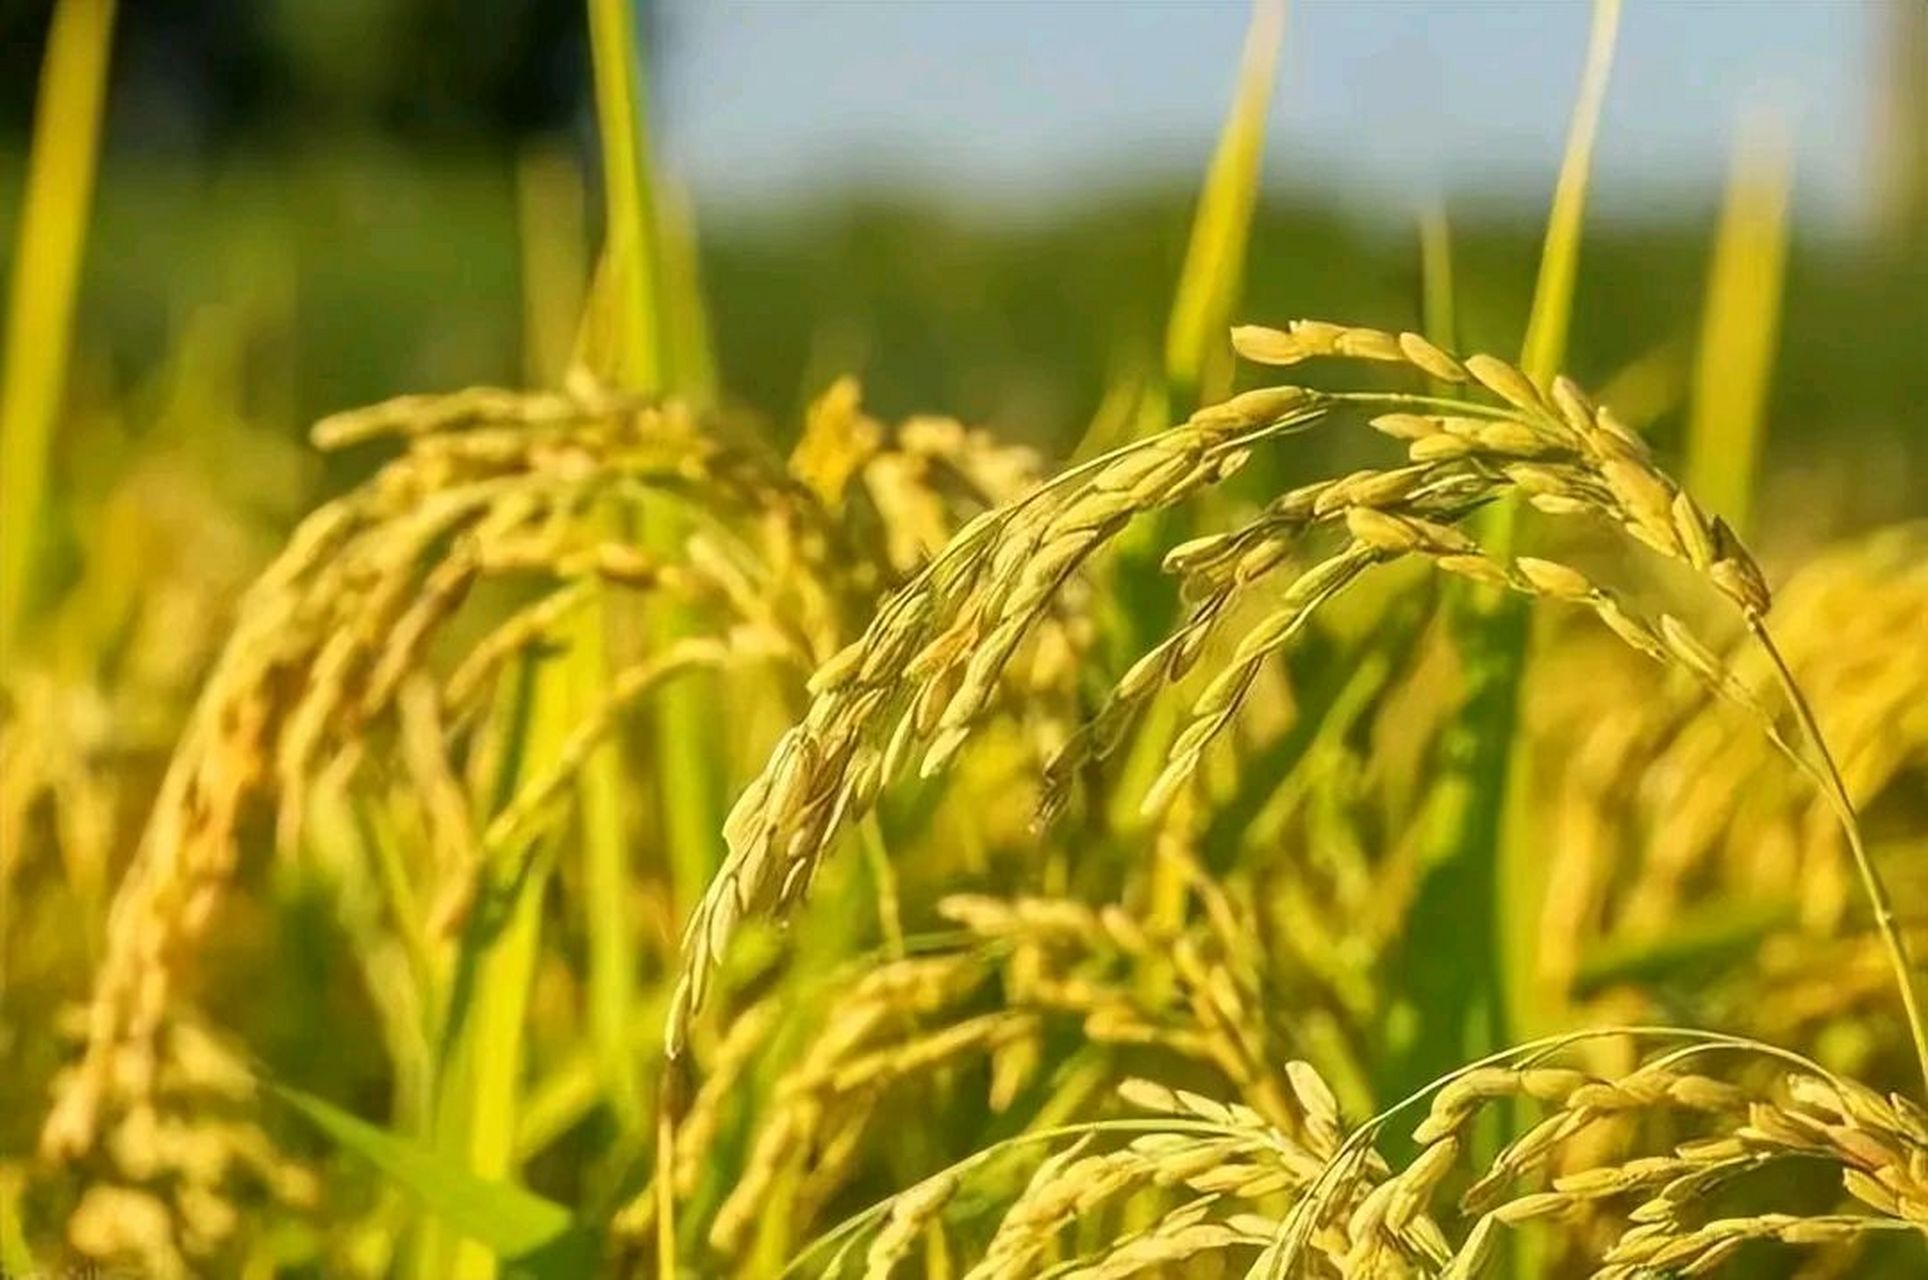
x,y
345,174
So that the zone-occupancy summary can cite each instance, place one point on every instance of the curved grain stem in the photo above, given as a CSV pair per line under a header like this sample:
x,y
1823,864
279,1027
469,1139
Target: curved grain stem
x,y
1828,776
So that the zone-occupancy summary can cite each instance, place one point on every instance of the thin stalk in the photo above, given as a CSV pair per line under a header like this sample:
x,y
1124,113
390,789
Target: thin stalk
x,y
890,915
1740,323
1208,284
651,284
46,277
477,1082
658,342
629,227
689,361
635,361
573,1088
1407,400
1828,775
383,852
602,795
479,1119
1552,313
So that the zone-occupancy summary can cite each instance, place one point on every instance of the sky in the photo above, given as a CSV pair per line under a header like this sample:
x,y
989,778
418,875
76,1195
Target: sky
x,y
1011,105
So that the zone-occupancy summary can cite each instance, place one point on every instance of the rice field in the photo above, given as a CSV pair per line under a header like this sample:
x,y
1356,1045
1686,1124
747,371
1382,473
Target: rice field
x,y
1418,773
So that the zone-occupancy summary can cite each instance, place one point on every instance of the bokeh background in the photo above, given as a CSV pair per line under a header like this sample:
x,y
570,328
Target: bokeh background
x,y
982,207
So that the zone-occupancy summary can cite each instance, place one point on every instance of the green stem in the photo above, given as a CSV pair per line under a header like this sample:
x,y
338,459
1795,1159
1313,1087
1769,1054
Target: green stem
x,y
687,761
46,278
629,252
890,916
1828,775
1408,400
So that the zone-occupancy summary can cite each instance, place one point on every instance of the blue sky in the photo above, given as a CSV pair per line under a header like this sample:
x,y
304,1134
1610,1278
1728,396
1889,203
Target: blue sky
x,y
1009,104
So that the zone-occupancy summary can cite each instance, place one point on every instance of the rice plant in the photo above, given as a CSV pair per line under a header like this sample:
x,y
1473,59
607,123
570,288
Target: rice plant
x,y
1183,856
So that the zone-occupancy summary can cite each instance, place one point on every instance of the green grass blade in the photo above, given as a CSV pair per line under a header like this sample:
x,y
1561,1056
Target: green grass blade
x,y
658,341
551,256
628,271
528,1234
571,1090
351,841
1451,981
1208,286
626,285
687,761
606,877
506,939
1552,312
1740,325
489,1056
55,208
1213,272
480,1061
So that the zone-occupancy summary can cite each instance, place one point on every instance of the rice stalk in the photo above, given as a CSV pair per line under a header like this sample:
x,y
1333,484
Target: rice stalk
x,y
1552,309
1740,323
1214,257
1872,883
340,599
956,625
652,340
636,357
55,212
477,1083
630,351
